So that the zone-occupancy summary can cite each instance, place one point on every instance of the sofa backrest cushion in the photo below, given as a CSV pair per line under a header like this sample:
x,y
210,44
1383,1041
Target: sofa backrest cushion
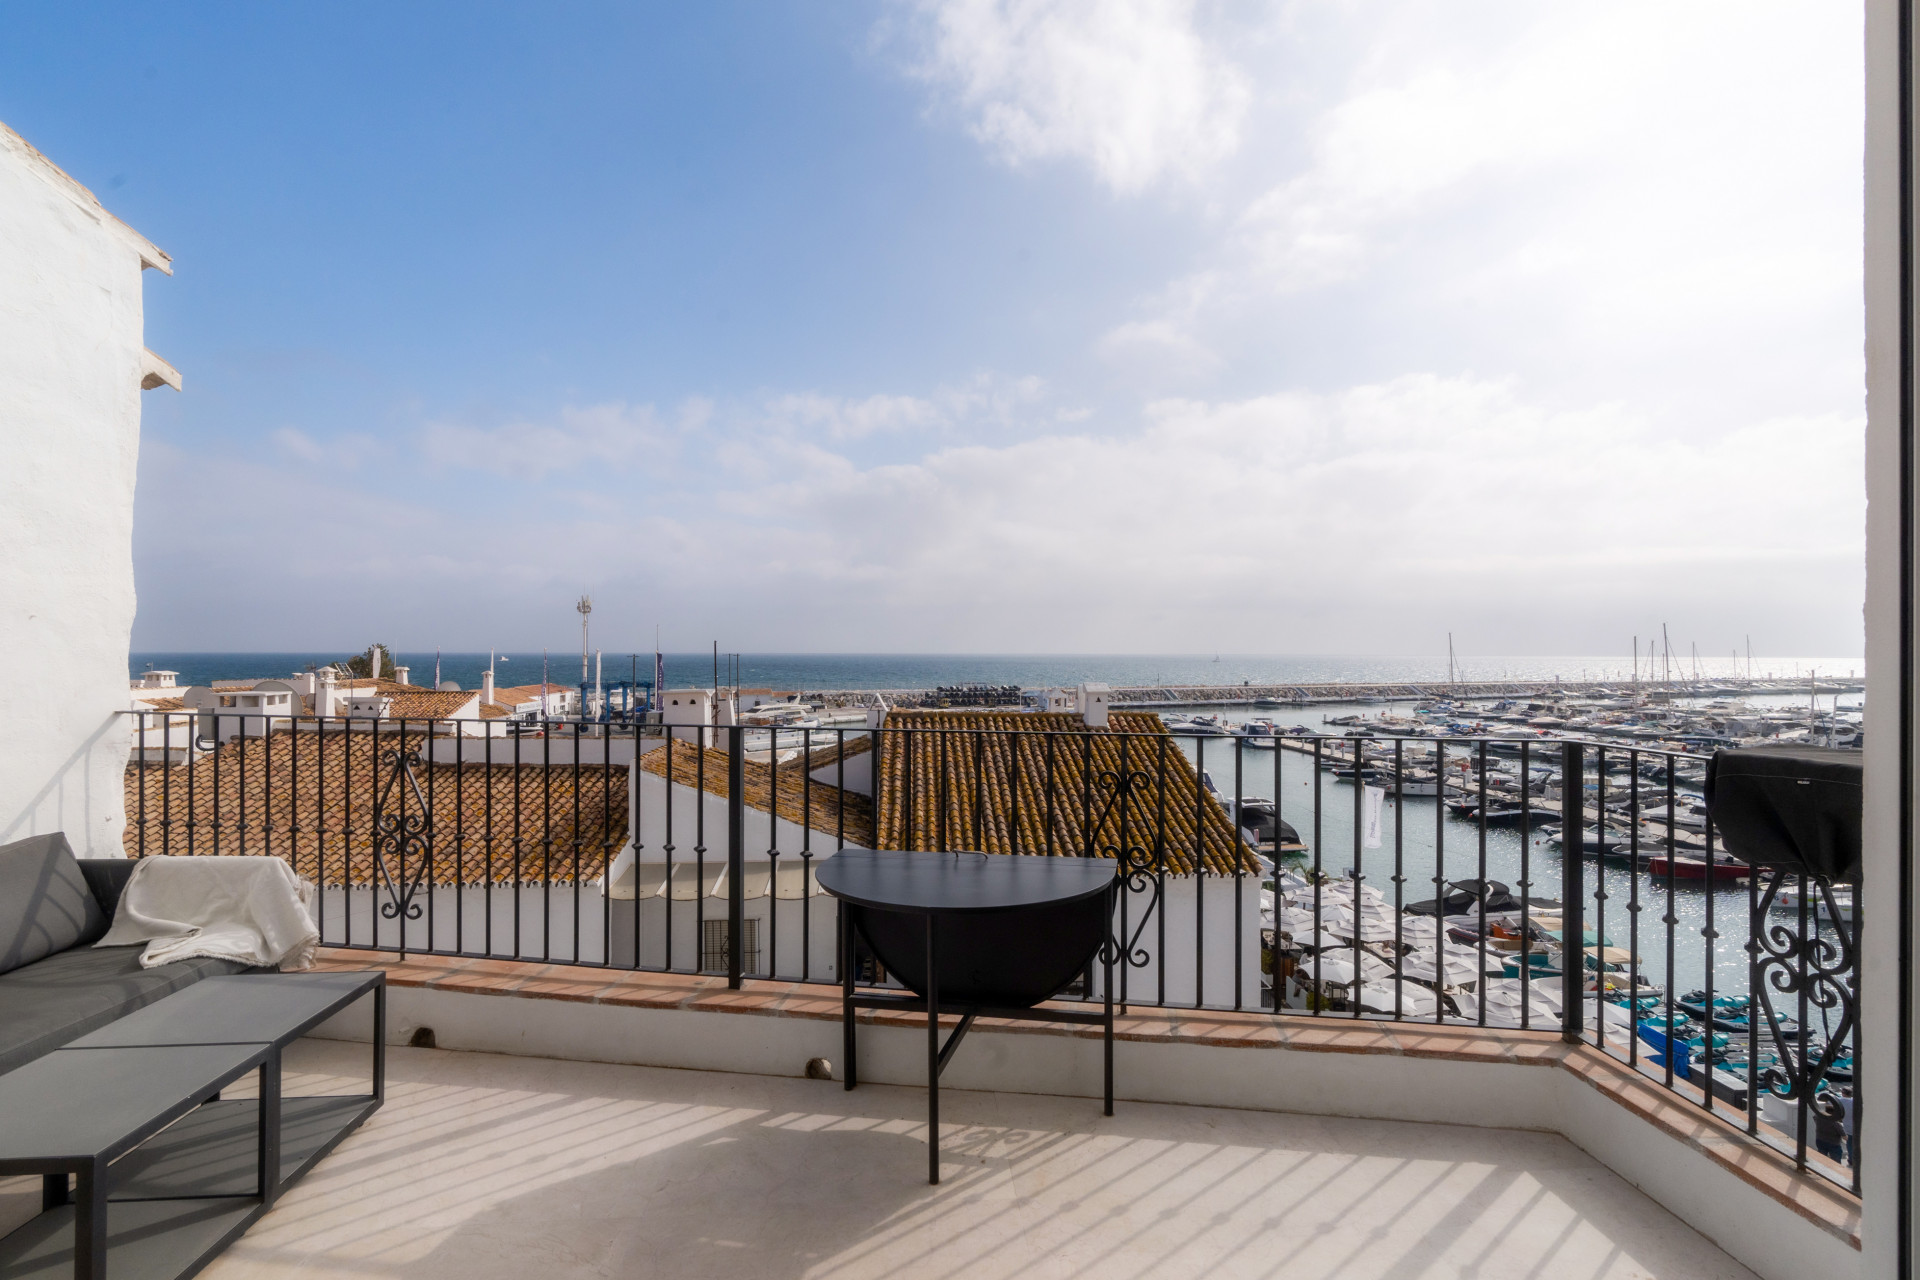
x,y
45,905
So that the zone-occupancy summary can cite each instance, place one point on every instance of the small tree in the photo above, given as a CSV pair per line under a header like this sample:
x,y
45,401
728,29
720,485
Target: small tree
x,y
361,665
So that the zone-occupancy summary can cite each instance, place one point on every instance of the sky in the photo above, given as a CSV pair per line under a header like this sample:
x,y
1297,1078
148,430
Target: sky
x,y
985,325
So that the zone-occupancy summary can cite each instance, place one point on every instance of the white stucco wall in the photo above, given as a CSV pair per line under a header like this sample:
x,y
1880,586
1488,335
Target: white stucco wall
x,y
71,363
1881,943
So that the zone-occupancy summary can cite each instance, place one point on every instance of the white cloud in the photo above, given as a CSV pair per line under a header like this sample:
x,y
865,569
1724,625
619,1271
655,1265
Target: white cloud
x,y
342,452
1361,520
298,444
844,419
617,435
1371,519
1128,87
1631,181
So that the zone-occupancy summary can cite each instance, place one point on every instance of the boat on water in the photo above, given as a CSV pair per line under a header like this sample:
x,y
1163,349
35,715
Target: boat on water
x,y
1601,842
1257,733
1201,727
1789,899
1494,815
1262,827
1680,866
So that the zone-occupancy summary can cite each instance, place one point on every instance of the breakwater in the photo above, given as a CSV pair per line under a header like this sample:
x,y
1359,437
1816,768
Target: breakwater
x,y
1252,695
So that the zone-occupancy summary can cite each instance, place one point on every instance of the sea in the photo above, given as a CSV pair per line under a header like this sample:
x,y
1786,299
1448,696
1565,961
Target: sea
x,y
822,671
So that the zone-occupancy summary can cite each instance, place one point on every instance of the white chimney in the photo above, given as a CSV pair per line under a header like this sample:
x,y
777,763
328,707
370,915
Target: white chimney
x,y
486,686
688,715
1093,700
400,675
323,700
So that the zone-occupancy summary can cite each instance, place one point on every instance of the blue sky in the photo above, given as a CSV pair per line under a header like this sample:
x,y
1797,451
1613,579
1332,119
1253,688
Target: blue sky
x,y
985,325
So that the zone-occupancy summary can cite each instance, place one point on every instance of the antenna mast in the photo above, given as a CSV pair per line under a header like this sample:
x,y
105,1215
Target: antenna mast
x,y
585,608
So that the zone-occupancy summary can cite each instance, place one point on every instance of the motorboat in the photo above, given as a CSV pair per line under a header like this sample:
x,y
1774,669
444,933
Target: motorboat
x,y
1257,732
1262,827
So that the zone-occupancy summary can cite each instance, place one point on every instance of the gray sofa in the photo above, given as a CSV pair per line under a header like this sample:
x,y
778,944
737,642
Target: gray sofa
x,y
55,986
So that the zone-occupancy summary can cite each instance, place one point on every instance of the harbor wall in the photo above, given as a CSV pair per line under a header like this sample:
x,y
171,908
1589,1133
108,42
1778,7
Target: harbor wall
x,y
1230,695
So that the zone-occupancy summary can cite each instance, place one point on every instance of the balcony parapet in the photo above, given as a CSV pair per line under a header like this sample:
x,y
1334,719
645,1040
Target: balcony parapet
x,y
1814,1199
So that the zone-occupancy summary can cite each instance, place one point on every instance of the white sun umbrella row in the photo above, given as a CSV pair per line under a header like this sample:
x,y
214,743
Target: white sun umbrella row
x,y
1374,993
1504,1001
1413,1000
1457,966
1336,966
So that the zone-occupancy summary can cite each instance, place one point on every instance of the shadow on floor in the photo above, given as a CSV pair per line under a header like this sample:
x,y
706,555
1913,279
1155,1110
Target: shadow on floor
x,y
484,1166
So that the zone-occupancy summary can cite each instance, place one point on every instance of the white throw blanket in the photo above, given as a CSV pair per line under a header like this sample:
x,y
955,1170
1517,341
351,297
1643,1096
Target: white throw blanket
x,y
253,911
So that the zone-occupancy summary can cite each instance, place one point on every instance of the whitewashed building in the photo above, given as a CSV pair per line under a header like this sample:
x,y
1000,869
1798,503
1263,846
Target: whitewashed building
x,y
73,362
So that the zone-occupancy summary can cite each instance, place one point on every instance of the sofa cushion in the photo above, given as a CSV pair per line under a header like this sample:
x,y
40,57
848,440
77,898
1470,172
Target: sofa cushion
x,y
45,905
66,995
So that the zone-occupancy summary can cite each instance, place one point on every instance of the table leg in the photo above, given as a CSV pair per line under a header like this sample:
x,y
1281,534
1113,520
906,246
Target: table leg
x,y
850,1073
933,1055
270,1130
1107,983
90,1221
380,1042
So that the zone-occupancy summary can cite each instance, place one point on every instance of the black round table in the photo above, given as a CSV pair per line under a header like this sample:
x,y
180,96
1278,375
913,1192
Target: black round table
x,y
976,933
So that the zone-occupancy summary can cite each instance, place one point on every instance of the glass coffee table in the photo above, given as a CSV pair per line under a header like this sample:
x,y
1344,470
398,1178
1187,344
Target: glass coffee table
x,y
147,1169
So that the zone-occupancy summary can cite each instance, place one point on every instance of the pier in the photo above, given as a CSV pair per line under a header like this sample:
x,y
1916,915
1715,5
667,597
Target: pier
x,y
1293,695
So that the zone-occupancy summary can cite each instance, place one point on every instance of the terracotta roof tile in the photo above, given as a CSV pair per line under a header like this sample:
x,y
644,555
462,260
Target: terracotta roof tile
x,y
817,805
414,702
311,796
525,692
1042,782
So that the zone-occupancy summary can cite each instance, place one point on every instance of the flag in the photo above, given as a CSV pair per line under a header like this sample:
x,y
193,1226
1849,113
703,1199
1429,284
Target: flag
x,y
1372,799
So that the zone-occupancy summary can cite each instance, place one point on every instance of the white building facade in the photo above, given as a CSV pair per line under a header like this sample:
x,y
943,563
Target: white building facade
x,y
73,362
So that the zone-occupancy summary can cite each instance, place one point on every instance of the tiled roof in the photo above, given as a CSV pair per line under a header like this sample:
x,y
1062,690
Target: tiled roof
x,y
166,704
1037,783
415,702
494,711
817,805
312,796
514,695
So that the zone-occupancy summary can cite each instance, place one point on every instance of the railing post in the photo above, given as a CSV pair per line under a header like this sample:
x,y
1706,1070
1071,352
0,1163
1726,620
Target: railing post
x,y
736,853
1573,858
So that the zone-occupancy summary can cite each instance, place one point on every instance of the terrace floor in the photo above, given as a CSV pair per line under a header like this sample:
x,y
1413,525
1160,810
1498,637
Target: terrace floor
x,y
484,1166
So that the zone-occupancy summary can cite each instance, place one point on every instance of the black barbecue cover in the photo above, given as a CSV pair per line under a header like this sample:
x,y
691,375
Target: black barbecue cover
x,y
1794,807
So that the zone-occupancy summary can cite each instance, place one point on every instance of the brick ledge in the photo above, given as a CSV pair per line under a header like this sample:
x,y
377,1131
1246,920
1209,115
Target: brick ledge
x,y
1813,1197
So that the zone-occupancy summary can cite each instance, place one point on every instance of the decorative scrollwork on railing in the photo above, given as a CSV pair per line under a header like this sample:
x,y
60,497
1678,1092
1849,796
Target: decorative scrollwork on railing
x,y
1140,868
1811,964
402,837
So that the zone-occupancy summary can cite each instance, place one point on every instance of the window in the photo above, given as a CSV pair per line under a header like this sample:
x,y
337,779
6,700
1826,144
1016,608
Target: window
x,y
714,942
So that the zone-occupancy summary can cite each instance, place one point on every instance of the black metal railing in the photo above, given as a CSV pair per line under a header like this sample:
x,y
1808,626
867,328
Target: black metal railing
x,y
1524,883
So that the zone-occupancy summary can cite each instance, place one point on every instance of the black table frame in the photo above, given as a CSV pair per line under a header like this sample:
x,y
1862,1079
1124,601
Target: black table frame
x,y
939,1055
95,1187
92,1175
